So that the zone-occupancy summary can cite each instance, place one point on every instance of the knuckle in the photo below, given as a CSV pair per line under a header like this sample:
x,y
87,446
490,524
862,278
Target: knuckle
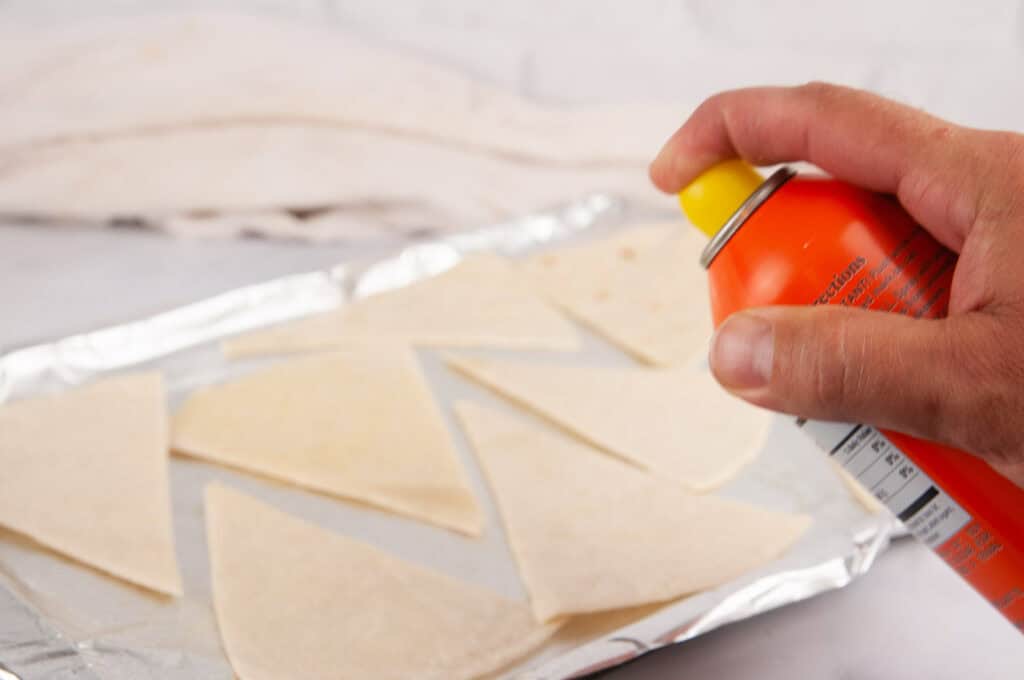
x,y
817,91
999,203
1002,152
837,375
715,103
816,88
934,413
983,409
1000,155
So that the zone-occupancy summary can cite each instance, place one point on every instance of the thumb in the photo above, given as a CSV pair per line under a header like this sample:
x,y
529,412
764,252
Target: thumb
x,y
928,378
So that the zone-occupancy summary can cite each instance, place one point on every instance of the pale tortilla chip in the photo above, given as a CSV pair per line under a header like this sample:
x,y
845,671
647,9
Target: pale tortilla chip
x,y
643,290
482,302
591,533
297,601
360,424
86,475
677,423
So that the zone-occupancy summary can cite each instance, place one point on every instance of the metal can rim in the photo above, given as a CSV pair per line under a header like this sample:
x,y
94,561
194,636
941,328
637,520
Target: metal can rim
x,y
743,213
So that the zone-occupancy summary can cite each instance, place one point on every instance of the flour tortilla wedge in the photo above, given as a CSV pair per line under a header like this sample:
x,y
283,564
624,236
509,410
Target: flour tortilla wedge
x,y
359,423
571,272
296,601
677,423
643,290
85,473
481,302
591,533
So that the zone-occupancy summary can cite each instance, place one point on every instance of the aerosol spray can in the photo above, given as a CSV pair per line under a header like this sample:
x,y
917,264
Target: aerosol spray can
x,y
808,240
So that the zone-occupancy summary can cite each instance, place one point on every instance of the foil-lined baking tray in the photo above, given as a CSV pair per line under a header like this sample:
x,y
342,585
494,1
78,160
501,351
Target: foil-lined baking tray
x,y
62,620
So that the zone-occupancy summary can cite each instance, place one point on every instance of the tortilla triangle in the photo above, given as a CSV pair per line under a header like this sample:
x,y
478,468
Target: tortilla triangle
x,y
87,477
481,302
359,423
296,601
592,534
677,423
642,289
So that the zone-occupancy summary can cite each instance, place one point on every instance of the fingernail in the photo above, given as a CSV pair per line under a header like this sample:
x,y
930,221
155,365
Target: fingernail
x,y
741,352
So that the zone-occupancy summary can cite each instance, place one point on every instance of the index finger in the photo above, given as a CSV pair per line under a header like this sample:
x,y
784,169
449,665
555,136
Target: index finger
x,y
932,166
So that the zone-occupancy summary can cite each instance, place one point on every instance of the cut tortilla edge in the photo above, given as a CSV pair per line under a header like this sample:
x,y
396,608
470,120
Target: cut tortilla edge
x,y
478,371
383,504
470,369
142,585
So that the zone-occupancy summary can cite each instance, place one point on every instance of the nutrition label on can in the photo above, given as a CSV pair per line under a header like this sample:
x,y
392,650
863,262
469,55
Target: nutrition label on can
x,y
867,454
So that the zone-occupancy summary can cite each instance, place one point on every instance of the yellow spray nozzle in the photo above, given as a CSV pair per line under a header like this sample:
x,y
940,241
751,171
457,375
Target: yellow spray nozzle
x,y
711,199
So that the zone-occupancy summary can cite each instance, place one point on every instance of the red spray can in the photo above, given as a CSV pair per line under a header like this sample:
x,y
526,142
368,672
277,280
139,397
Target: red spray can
x,y
808,240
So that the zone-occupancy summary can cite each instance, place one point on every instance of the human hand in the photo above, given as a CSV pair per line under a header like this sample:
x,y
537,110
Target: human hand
x,y
958,380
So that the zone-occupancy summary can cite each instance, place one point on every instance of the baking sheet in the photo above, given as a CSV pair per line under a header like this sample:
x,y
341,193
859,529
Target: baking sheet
x,y
62,620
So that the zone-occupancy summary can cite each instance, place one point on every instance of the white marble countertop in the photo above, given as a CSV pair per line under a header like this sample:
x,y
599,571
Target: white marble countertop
x,y
908,618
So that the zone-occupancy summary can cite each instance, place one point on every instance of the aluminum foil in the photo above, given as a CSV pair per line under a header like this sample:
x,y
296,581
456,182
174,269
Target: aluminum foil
x,y
61,620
